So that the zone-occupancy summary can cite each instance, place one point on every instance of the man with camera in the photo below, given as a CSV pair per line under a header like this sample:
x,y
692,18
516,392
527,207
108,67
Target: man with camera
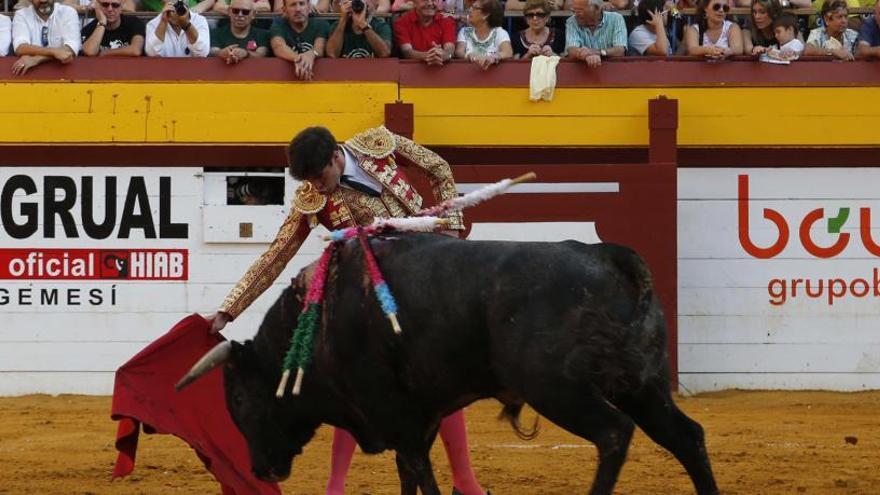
x,y
178,32
357,33
239,39
299,39
42,32
111,33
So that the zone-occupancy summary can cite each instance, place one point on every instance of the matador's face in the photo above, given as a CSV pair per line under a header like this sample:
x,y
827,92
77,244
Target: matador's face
x,y
328,181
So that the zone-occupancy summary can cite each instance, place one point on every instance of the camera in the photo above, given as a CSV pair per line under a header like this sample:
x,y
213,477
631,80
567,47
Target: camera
x,y
357,6
180,7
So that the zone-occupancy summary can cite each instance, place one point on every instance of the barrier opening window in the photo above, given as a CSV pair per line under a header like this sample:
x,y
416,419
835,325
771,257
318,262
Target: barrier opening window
x,y
254,190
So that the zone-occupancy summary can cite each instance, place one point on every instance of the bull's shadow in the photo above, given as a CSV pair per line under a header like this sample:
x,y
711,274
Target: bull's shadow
x,y
573,330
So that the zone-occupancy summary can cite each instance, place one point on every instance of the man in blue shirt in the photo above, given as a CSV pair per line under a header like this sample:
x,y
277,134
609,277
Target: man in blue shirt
x,y
869,37
592,34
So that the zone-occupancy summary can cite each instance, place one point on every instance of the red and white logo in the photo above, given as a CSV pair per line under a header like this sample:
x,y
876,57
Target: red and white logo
x,y
94,264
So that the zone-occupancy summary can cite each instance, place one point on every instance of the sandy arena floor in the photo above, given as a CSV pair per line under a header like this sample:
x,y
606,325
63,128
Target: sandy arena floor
x,y
759,443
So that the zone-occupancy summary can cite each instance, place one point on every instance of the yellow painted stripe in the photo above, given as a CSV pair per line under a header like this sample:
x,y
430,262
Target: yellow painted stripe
x,y
186,113
270,113
619,117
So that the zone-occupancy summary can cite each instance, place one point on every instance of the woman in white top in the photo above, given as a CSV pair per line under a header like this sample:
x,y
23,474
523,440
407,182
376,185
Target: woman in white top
x,y
5,35
484,42
713,37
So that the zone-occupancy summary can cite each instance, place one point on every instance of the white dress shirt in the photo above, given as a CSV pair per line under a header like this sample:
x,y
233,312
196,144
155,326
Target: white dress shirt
x,y
354,172
5,35
63,28
178,45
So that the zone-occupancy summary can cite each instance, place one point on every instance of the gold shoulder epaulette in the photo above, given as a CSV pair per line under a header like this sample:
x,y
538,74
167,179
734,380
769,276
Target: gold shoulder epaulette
x,y
308,200
377,142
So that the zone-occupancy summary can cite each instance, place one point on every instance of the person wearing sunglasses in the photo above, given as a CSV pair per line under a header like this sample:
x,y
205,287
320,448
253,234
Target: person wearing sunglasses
x,y
42,32
593,33
170,34
538,38
222,7
713,36
239,39
111,33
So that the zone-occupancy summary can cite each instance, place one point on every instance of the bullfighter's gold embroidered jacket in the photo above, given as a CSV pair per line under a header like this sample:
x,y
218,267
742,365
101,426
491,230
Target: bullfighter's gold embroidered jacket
x,y
375,150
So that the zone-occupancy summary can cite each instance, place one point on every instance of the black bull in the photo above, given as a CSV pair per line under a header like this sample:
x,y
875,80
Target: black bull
x,y
573,330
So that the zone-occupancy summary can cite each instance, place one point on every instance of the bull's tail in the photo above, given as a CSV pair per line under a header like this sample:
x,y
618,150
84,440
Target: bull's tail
x,y
511,413
618,354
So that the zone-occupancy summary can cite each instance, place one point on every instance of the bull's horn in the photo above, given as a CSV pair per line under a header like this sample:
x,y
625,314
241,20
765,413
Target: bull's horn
x,y
213,358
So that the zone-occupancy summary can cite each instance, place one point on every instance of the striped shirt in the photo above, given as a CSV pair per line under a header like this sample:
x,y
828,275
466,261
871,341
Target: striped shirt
x,y
609,33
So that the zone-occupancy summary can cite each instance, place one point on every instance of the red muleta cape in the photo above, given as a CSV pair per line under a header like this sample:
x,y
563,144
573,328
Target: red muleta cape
x,y
144,394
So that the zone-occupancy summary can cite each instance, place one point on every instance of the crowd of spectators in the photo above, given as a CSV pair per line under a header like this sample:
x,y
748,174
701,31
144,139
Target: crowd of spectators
x,y
434,31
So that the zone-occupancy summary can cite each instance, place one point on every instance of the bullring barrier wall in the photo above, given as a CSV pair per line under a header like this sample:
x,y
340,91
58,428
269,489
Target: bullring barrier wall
x,y
802,137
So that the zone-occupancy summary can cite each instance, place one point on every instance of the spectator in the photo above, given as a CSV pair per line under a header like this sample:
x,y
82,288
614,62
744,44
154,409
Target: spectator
x,y
222,7
298,39
759,36
111,33
188,35
83,7
788,46
514,5
649,37
606,4
239,39
855,20
592,33
379,6
538,38
197,6
713,37
5,35
425,34
359,34
869,38
484,42
44,31
834,39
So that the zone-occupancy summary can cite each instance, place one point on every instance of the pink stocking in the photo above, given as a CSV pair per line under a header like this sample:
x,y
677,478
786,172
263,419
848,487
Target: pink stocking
x,y
454,435
343,450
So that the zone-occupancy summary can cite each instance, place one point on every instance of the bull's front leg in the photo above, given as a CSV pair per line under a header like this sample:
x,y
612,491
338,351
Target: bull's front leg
x,y
415,471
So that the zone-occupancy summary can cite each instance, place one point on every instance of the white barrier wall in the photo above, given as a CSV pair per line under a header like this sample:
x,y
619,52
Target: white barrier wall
x,y
779,285
69,318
